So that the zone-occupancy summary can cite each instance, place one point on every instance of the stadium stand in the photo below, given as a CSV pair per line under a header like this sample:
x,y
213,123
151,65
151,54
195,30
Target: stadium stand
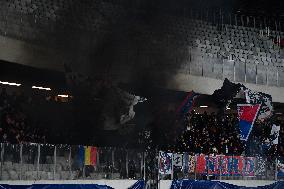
x,y
242,51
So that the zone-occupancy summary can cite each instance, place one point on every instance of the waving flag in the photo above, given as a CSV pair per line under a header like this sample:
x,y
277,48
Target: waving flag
x,y
230,90
188,103
247,115
265,101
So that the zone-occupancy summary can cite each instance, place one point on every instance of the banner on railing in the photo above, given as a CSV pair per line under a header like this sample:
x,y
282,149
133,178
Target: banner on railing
x,y
231,165
165,163
88,155
188,165
249,166
192,164
177,160
211,165
201,164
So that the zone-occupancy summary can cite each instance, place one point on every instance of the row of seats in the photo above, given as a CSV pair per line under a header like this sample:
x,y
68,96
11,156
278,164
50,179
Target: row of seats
x,y
40,175
46,171
32,167
63,175
256,49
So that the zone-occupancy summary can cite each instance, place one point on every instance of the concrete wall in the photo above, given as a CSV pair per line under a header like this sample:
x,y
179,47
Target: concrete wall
x,y
13,50
117,184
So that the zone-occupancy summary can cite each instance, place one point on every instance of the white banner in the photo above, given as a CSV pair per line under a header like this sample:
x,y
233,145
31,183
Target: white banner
x,y
177,160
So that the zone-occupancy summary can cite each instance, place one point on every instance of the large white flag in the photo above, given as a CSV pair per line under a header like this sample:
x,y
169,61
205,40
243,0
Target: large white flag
x,y
265,100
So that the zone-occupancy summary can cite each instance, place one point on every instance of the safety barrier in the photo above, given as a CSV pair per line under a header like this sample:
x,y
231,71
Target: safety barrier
x,y
64,162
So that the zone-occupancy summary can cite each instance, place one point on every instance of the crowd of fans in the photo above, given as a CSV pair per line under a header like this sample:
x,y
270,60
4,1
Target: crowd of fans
x,y
211,134
15,125
219,134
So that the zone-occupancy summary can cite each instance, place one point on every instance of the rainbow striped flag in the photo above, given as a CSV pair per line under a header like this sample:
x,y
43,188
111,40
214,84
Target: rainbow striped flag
x,y
88,155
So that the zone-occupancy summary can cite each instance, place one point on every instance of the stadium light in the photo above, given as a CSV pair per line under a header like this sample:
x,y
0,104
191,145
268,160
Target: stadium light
x,y
63,96
203,106
11,84
42,88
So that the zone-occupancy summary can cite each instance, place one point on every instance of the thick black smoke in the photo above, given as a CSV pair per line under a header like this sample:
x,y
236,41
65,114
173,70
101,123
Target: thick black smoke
x,y
138,52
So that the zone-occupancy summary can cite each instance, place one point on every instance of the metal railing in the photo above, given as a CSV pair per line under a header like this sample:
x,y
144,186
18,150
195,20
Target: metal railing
x,y
61,162
236,71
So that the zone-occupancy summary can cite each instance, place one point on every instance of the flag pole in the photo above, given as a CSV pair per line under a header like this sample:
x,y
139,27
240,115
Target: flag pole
x,y
84,164
172,167
69,161
276,174
144,165
112,162
54,162
126,164
141,164
158,170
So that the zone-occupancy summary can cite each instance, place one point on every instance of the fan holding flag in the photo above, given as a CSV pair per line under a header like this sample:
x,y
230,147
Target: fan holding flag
x,y
247,116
